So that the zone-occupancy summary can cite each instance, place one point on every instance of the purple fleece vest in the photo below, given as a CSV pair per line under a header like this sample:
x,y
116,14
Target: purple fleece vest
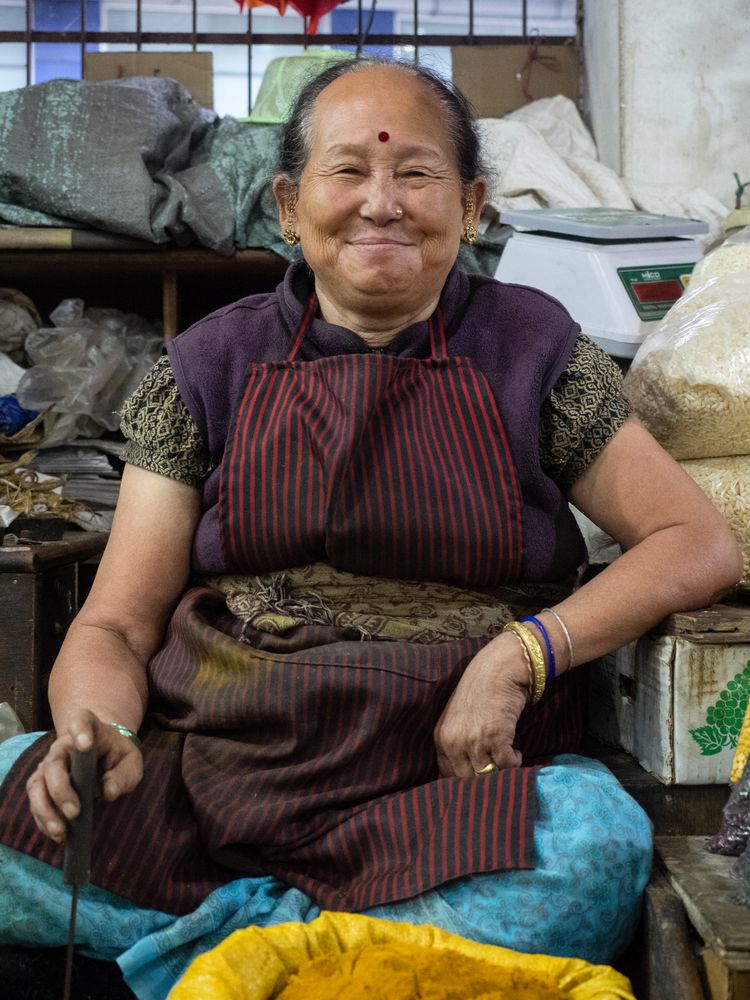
x,y
520,338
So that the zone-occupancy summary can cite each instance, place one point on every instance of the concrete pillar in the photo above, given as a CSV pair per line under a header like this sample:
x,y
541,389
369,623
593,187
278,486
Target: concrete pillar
x,y
667,90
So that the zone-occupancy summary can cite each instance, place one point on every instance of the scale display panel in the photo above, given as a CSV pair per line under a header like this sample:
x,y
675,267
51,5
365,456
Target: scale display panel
x,y
654,290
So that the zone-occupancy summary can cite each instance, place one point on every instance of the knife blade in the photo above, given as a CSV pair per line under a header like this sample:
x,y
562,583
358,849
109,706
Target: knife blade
x,y
77,856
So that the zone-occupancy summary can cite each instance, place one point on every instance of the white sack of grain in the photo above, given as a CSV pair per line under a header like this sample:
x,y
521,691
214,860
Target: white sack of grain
x,y
690,379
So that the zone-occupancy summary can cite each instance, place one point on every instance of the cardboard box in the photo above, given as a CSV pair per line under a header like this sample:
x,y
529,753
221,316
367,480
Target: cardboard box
x,y
491,76
675,700
194,70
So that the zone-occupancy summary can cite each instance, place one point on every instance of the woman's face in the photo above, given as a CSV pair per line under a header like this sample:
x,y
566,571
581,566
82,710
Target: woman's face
x,y
380,208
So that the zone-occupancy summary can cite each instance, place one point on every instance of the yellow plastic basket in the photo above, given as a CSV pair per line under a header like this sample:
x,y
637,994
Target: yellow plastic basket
x,y
255,964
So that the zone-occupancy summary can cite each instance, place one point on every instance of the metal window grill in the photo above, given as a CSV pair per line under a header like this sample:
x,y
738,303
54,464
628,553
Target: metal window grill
x,y
193,38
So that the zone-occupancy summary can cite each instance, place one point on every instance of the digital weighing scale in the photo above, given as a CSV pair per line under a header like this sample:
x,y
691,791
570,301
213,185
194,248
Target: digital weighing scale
x,y
616,271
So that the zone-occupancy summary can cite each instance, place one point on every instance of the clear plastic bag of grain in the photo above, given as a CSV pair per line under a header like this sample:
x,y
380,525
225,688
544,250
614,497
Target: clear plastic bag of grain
x,y
731,257
726,482
690,379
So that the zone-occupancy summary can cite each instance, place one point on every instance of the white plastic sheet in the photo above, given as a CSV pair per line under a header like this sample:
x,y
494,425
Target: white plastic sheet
x,y
543,156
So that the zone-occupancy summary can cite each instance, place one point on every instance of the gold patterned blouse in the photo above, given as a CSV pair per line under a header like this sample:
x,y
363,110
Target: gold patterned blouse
x,y
582,412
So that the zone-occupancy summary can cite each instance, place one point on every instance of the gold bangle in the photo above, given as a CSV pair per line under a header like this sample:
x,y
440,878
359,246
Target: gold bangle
x,y
534,649
527,658
127,733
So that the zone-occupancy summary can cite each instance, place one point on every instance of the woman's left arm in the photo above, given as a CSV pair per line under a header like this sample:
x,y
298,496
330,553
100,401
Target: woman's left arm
x,y
678,551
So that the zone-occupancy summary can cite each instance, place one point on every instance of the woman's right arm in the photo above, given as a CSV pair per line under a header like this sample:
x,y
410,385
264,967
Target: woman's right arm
x,y
99,676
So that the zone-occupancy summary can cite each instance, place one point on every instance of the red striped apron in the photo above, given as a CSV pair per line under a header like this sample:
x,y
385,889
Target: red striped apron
x,y
310,755
383,465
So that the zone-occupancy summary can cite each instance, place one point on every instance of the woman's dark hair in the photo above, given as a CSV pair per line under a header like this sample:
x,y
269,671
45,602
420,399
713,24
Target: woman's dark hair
x,y
458,117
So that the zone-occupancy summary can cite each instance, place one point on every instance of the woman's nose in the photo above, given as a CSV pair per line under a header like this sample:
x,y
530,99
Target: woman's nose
x,y
380,203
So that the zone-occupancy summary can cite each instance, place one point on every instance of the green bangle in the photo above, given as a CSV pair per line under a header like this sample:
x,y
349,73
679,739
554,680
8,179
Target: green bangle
x,y
127,733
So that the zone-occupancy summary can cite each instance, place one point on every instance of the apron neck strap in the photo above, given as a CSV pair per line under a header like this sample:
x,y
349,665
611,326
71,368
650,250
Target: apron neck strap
x,y
435,326
304,324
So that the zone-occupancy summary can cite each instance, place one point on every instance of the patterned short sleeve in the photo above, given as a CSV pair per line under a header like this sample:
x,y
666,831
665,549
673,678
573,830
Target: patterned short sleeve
x,y
162,436
582,412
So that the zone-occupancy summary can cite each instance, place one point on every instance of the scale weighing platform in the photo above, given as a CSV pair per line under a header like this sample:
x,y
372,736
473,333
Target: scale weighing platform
x,y
616,271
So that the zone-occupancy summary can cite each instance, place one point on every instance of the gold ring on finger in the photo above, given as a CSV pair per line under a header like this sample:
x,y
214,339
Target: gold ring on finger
x,y
486,769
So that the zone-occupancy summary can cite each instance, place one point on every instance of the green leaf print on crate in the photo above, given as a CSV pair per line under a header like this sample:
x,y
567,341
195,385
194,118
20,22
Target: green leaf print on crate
x,y
724,719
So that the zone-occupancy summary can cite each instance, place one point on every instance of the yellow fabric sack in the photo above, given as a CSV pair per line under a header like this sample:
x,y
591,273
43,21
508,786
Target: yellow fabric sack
x,y
257,964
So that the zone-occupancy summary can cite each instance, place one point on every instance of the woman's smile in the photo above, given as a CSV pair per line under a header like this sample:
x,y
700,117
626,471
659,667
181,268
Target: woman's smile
x,y
372,243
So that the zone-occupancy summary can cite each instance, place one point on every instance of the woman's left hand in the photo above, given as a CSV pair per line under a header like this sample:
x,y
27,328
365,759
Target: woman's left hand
x,y
478,725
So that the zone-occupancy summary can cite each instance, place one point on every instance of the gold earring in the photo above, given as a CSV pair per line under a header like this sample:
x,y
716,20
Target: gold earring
x,y
289,233
470,230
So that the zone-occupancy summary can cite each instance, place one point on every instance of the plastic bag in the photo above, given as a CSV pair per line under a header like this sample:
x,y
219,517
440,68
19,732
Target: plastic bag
x,y
284,78
726,482
256,964
731,257
84,367
13,416
741,871
10,375
10,724
734,835
18,317
690,379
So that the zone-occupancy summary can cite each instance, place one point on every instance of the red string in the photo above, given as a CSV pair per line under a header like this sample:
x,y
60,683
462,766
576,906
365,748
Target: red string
x,y
548,62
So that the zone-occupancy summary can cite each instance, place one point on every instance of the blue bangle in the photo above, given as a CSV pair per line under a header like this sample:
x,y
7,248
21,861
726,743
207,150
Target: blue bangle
x,y
547,643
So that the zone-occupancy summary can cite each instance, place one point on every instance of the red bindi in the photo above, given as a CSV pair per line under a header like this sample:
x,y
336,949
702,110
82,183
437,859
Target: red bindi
x,y
383,136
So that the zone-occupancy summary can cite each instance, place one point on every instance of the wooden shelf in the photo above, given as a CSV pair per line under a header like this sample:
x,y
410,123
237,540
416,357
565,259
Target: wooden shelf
x,y
178,286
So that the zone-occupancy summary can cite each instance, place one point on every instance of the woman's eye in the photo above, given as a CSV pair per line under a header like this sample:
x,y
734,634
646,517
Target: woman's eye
x,y
414,173
349,170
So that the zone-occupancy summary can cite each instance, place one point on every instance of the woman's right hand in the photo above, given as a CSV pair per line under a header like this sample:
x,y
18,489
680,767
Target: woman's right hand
x,y
51,795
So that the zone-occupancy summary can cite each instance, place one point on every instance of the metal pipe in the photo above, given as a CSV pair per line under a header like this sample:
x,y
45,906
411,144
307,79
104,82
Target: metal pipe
x,y
249,37
416,31
83,38
138,25
195,23
27,39
268,38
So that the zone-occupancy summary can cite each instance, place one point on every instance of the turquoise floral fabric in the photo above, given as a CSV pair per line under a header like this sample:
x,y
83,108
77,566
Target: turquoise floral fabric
x,y
593,855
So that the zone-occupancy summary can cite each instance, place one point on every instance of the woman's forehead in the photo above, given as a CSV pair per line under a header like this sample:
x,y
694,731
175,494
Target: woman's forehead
x,y
382,105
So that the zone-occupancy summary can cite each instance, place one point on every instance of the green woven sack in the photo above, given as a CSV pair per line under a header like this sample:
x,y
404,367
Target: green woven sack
x,y
285,77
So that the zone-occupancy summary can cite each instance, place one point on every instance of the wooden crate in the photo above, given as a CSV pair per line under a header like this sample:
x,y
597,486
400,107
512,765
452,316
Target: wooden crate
x,y
39,597
707,892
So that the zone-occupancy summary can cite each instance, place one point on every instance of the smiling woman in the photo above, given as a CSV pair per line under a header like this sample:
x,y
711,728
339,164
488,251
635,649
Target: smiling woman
x,y
380,222
341,598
